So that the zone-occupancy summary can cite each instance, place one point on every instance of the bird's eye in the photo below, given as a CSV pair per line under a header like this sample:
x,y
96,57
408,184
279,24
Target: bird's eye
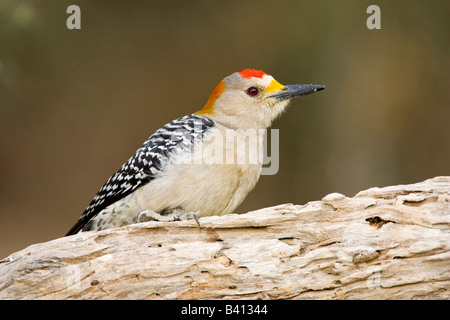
x,y
252,91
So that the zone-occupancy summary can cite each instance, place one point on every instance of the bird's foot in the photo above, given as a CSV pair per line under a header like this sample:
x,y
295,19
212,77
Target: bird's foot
x,y
175,215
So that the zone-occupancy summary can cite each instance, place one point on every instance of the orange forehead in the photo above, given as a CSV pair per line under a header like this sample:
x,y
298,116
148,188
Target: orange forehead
x,y
249,73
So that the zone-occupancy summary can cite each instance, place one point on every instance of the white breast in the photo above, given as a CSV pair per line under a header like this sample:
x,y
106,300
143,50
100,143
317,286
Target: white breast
x,y
212,179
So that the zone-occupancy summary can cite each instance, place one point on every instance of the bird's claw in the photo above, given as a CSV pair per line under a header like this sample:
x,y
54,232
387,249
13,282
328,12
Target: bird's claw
x,y
176,215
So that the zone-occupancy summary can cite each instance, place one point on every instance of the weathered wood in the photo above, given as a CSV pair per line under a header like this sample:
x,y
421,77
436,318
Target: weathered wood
x,y
384,243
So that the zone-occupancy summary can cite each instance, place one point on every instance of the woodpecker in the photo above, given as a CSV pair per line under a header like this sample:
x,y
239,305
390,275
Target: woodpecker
x,y
188,168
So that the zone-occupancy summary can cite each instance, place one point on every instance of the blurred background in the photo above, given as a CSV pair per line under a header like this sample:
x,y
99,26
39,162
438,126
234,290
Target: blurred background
x,y
76,104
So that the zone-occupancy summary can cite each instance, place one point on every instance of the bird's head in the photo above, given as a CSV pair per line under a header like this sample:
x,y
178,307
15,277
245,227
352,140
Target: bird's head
x,y
251,99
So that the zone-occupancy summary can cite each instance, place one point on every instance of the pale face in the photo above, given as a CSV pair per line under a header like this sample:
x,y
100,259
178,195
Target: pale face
x,y
251,99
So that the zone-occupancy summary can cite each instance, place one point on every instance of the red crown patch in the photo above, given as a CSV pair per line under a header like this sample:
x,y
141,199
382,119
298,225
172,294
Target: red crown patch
x,y
249,73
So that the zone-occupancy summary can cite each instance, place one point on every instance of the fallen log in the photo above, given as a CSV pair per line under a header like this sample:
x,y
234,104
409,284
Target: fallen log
x,y
383,243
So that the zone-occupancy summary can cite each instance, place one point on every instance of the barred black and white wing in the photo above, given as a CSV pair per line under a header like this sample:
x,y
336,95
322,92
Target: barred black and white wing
x,y
145,163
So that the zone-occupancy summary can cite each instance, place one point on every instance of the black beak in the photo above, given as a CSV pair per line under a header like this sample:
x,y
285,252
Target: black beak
x,y
296,90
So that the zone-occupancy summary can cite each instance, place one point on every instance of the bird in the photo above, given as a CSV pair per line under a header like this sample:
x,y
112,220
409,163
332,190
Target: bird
x,y
193,167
